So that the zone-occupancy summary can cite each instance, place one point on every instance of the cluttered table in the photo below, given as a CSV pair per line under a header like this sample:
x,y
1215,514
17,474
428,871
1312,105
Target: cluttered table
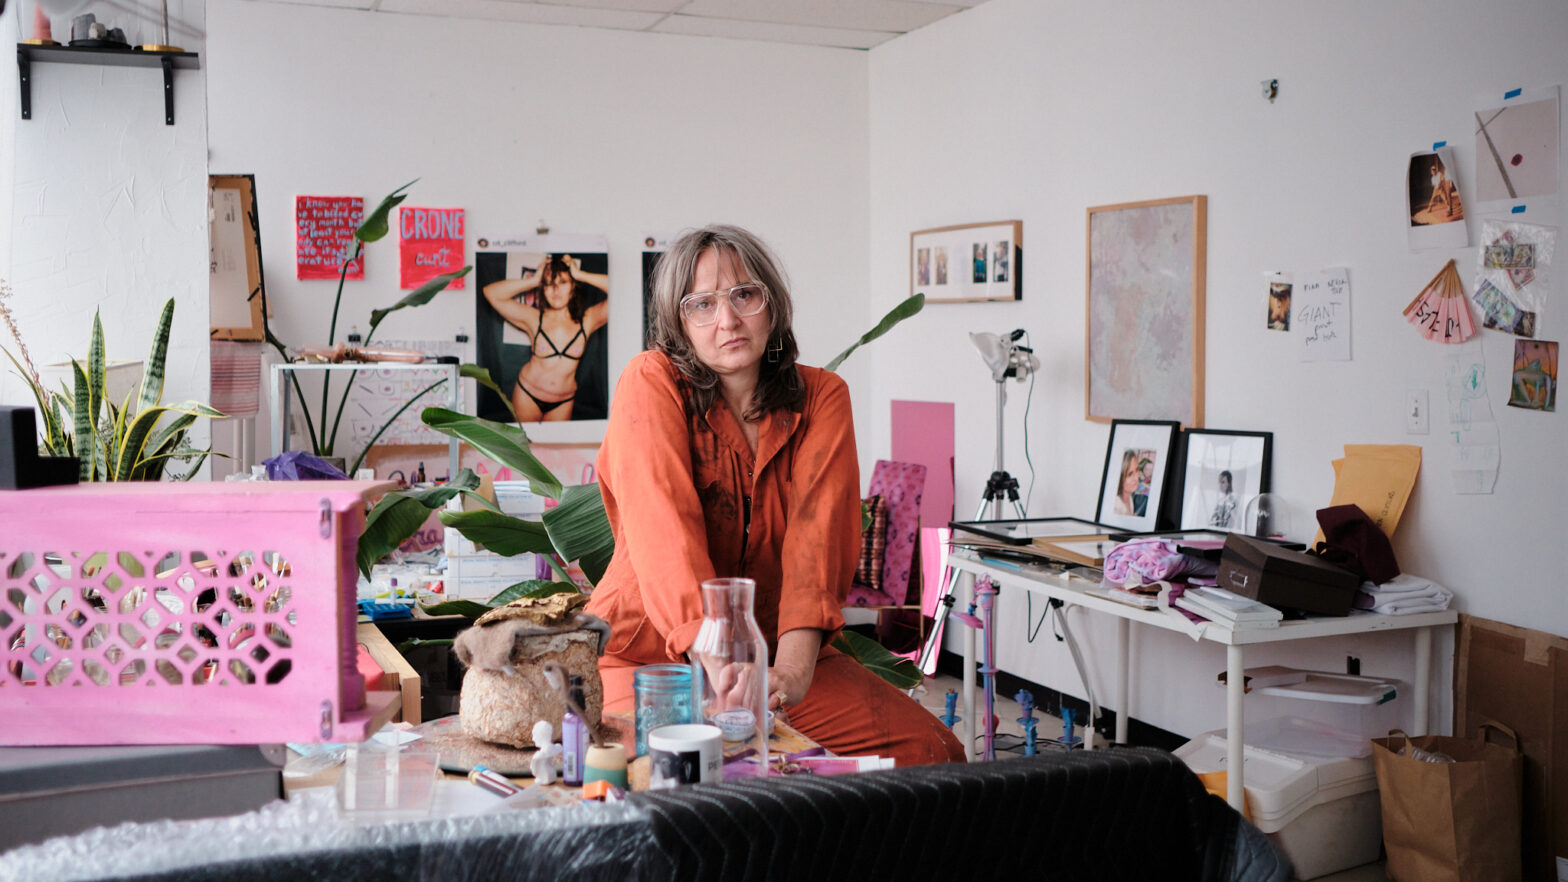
x,y
1055,581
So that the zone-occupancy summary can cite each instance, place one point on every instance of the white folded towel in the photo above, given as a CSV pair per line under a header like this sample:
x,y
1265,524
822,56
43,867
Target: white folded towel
x,y
1403,594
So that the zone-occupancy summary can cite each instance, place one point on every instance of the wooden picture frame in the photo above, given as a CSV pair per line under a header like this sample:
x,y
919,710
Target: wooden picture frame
x,y
1141,449
968,263
1143,352
235,290
1221,471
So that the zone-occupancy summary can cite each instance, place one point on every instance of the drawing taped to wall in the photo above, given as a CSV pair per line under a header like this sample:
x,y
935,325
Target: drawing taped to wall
x,y
541,318
1516,148
1534,385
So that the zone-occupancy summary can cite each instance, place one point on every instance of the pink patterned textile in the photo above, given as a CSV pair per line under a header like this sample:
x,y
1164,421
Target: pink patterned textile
x,y
900,484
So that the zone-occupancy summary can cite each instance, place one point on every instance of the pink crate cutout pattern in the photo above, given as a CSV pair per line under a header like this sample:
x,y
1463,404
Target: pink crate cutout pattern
x,y
182,614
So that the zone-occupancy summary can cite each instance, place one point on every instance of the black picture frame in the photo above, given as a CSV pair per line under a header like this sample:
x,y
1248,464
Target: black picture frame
x,y
1147,447
1025,531
1221,471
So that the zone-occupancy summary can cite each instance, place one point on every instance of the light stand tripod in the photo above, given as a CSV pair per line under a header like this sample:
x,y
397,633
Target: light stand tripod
x,y
1007,360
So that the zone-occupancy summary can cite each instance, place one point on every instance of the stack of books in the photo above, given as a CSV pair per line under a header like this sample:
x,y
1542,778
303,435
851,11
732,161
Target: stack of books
x,y
1230,610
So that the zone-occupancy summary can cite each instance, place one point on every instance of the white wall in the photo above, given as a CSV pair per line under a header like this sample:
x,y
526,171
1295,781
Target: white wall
x,y
594,131
107,210
1035,110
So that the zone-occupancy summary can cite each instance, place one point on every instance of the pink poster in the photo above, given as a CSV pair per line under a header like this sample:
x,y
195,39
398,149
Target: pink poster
x,y
430,242
323,230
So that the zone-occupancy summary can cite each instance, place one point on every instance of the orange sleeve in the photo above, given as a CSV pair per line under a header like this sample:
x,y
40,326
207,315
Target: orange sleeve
x,y
647,466
822,538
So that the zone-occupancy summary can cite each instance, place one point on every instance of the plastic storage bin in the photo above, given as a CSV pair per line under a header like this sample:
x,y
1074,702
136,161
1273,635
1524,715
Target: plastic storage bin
x,y
1315,713
1322,812
165,613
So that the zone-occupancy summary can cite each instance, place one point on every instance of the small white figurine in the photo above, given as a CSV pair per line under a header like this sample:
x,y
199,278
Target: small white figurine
x,y
546,764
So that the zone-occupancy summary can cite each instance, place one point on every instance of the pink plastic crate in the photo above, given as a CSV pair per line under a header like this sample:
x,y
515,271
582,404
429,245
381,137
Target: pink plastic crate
x,y
202,613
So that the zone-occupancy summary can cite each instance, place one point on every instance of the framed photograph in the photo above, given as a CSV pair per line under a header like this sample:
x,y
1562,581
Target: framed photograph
x,y
1221,472
1138,469
967,263
1143,354
1023,532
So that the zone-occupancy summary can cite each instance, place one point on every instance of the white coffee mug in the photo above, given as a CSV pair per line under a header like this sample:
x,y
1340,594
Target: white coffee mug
x,y
687,753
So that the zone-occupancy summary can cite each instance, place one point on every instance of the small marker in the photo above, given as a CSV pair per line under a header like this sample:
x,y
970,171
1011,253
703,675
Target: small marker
x,y
1512,93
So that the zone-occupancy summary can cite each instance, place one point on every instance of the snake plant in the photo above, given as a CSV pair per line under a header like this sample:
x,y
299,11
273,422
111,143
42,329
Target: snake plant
x,y
128,441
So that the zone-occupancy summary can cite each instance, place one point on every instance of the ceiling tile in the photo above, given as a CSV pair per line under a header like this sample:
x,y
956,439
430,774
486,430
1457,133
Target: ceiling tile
x,y
627,5
535,13
770,32
869,15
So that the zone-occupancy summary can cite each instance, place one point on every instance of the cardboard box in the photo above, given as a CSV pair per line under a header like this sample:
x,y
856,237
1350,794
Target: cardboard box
x,y
1519,677
1275,575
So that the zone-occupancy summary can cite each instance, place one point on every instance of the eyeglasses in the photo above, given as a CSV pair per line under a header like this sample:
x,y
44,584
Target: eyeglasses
x,y
746,299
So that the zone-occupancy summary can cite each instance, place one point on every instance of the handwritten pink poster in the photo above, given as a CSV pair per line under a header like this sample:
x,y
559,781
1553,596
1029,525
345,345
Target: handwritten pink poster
x,y
430,243
323,230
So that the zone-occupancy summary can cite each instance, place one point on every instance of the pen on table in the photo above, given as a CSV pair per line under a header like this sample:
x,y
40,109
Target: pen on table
x,y
493,781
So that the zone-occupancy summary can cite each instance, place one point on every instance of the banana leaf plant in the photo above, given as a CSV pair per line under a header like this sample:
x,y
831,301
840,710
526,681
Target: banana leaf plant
x,y
375,227
577,529
128,441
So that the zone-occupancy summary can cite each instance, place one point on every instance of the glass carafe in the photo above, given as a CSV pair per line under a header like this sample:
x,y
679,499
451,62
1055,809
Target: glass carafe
x,y
729,661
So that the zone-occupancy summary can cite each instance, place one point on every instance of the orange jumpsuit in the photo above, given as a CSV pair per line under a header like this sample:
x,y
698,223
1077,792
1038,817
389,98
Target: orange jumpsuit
x,y
688,503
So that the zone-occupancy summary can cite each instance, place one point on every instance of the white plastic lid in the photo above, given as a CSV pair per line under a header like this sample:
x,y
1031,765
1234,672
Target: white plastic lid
x,y
1342,688
1280,788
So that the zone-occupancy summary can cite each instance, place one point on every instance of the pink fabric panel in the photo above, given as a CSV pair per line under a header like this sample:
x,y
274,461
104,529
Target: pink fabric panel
x,y
923,434
901,484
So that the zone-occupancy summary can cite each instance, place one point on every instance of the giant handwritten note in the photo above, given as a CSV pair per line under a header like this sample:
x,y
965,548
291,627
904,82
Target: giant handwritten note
x,y
430,243
323,230
1323,314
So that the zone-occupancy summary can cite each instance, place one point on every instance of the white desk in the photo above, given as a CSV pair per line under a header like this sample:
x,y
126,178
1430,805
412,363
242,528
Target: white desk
x,y
967,565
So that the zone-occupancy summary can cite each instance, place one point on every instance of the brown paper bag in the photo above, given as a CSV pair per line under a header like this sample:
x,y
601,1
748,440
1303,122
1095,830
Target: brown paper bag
x,y
1451,822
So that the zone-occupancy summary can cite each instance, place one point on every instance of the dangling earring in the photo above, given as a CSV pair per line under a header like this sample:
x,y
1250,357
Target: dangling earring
x,y
774,348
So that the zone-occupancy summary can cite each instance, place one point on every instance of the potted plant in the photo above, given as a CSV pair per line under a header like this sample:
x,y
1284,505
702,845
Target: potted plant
x,y
128,441
323,440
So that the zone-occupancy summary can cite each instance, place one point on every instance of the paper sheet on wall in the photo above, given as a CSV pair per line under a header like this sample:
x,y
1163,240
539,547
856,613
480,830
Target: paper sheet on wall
x,y
1279,285
1435,205
230,285
1516,149
1472,430
1323,314
379,393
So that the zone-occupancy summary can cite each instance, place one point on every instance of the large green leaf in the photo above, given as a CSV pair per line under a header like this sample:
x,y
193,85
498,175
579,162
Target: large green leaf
x,y
532,588
472,609
895,669
481,375
85,432
399,515
500,533
507,445
418,297
153,370
375,226
898,313
580,530
95,371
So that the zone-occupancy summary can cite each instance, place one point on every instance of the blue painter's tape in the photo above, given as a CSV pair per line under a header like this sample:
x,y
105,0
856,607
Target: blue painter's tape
x,y
1512,93
1518,209
1438,145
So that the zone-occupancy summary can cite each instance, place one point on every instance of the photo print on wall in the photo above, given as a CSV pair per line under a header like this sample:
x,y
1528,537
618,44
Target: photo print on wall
x,y
541,313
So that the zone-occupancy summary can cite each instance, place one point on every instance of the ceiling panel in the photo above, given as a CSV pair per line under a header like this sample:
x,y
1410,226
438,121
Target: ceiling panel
x,y
895,16
771,33
536,13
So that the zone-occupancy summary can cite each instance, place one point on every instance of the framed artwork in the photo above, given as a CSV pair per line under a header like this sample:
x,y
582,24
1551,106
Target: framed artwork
x,y
235,292
1143,354
1138,471
1023,532
966,263
1221,472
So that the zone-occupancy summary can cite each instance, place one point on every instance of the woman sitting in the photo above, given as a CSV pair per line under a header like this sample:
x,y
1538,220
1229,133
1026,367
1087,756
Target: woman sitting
x,y
723,457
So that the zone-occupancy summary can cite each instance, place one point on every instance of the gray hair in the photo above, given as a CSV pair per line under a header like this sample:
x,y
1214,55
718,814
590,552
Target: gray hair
x,y
778,385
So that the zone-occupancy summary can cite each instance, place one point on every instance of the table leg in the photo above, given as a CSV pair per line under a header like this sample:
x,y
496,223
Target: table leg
x,y
1123,709
1235,689
967,724
1423,680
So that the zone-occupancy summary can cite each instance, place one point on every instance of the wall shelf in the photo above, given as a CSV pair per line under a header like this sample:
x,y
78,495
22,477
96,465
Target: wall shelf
x,y
28,54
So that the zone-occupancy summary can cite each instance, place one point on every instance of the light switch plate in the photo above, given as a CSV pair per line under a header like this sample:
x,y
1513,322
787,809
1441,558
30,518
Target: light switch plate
x,y
1416,422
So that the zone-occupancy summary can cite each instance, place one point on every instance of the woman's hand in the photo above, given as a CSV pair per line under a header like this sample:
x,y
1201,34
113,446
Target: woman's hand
x,y
787,684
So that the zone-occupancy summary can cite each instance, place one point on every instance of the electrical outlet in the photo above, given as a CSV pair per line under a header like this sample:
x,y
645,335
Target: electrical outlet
x,y
1416,422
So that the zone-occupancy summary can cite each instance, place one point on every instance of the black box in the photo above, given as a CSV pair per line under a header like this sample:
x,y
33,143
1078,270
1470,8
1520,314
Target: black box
x,y
1280,577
